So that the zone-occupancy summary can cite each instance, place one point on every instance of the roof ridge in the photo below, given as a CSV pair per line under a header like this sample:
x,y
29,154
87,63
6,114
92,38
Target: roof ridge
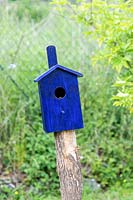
x,y
54,68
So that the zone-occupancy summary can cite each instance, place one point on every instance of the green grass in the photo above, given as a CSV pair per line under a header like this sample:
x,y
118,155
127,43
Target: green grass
x,y
115,193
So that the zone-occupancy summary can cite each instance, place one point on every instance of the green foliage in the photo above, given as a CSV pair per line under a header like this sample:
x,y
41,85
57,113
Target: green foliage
x,y
23,145
110,24
117,192
40,163
105,142
20,194
122,193
33,11
108,162
108,131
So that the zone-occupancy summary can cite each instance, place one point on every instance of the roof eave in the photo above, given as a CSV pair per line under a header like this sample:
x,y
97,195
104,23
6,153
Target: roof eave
x,y
54,68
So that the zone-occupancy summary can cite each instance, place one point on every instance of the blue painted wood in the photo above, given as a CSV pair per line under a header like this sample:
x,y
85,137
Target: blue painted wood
x,y
52,57
61,110
60,114
65,69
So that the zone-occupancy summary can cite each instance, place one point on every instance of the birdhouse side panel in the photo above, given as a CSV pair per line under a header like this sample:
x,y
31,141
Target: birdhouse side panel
x,y
74,117
42,105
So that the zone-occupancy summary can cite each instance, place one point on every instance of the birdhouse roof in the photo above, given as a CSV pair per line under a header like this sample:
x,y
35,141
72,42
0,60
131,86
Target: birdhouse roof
x,y
65,69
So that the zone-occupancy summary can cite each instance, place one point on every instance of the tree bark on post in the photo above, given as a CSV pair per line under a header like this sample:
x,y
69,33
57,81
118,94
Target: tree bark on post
x,y
68,165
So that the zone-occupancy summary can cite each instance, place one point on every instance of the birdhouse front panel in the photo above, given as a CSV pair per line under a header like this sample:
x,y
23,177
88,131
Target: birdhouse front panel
x,y
60,101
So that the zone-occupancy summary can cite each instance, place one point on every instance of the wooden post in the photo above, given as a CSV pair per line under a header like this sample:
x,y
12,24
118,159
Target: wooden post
x,y
68,165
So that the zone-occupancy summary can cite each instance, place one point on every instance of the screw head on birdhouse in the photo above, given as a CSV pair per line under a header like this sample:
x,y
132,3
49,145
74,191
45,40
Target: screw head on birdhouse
x,y
59,96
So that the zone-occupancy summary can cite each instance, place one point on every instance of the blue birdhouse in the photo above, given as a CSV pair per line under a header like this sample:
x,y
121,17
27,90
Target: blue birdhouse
x,y
59,96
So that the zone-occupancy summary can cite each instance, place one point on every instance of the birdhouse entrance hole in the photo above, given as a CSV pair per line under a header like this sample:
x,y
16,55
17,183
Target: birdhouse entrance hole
x,y
60,92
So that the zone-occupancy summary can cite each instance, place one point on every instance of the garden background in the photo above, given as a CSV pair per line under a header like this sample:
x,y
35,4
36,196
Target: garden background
x,y
27,155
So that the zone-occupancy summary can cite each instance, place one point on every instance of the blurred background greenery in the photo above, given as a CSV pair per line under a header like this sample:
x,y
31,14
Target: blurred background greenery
x,y
27,155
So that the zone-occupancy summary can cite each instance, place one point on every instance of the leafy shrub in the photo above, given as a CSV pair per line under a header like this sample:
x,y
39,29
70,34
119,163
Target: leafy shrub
x,y
40,163
110,25
106,139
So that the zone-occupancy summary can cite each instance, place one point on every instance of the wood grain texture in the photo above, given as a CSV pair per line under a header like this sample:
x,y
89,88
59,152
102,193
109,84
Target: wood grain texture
x,y
68,165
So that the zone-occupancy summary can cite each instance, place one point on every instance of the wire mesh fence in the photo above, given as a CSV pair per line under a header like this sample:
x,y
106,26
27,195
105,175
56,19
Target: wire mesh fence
x,y
22,46
23,58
